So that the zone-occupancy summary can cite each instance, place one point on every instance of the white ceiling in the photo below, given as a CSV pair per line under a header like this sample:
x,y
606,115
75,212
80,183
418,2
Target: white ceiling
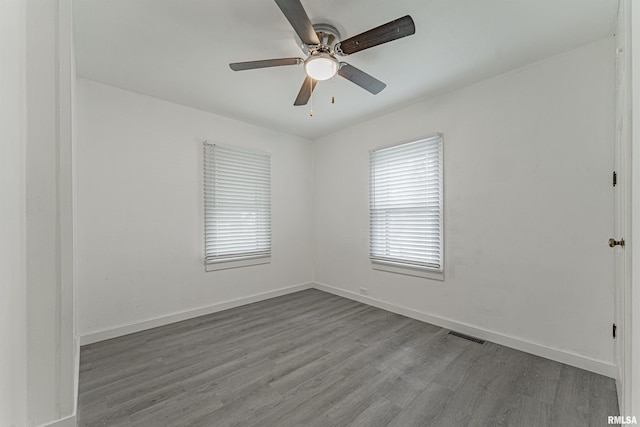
x,y
179,50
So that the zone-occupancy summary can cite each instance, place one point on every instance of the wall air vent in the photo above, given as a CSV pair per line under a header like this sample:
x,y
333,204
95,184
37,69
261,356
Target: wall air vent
x,y
466,337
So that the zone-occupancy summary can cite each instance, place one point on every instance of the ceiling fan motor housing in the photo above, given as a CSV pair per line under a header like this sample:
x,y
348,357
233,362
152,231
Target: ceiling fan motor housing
x,y
328,36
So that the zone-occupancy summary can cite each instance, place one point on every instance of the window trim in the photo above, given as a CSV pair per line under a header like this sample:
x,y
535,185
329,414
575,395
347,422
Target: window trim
x,y
227,264
412,269
408,270
240,260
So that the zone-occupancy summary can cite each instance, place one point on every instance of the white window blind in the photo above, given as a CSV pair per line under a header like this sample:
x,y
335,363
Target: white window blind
x,y
237,193
406,205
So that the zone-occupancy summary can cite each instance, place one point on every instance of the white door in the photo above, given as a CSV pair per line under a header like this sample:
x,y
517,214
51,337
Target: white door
x,y
622,215
619,253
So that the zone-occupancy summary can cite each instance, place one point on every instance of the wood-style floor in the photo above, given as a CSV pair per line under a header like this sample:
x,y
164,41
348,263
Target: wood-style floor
x,y
315,359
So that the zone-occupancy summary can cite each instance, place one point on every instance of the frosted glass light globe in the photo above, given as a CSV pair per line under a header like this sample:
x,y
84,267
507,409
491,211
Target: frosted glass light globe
x,y
321,66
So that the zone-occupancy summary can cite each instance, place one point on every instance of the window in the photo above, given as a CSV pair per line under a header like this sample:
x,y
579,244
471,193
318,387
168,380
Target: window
x,y
406,208
237,200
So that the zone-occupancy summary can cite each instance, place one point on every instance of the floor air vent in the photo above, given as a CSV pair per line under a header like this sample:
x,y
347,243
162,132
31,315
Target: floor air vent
x,y
466,337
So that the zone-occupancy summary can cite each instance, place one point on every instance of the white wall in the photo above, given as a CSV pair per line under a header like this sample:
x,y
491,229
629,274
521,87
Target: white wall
x,y
140,210
528,205
12,215
42,211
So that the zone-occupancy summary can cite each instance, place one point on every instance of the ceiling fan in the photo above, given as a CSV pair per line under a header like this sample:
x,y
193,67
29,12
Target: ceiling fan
x,y
320,42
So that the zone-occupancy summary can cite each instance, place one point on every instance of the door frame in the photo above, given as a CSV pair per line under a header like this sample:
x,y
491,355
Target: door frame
x,y
627,202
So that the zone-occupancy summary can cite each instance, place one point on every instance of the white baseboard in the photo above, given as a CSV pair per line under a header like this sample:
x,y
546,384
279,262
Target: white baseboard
x,y
562,356
69,421
117,331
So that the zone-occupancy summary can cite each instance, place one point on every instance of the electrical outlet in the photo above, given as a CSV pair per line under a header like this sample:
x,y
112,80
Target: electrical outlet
x,y
364,291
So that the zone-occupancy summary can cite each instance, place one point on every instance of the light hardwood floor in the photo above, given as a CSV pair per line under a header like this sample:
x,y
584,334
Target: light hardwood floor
x,y
315,359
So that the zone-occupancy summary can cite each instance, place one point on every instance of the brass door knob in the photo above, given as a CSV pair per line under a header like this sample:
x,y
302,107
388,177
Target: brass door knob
x,y
614,242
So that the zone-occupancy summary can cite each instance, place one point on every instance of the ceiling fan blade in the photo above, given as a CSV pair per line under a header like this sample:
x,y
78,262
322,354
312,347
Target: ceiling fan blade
x,y
297,17
362,79
250,65
390,31
305,91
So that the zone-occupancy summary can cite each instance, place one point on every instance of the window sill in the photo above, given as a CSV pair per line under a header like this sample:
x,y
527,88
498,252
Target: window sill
x,y
224,265
409,271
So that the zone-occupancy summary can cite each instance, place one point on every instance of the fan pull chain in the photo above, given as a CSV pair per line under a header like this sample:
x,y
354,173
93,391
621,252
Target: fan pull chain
x,y
311,99
333,89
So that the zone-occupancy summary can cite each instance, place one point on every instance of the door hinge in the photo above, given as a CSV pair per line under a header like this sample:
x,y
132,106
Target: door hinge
x,y
613,330
615,178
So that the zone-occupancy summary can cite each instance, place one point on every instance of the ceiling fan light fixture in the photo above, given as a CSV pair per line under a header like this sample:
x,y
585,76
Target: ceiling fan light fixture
x,y
321,66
